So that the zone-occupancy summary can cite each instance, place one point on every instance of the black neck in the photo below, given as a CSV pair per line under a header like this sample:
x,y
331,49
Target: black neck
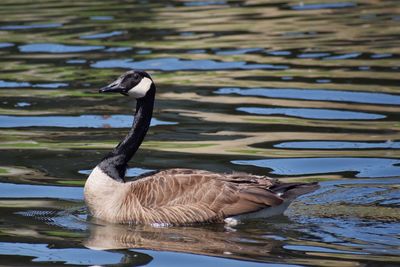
x,y
115,163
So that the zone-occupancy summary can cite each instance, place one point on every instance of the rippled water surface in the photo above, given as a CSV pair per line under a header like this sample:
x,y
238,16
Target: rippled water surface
x,y
297,90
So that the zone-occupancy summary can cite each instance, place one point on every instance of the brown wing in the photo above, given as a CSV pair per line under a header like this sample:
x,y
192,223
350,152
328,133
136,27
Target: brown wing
x,y
183,196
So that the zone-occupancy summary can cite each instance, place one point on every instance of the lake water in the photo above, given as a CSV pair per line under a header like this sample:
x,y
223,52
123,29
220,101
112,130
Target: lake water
x,y
297,90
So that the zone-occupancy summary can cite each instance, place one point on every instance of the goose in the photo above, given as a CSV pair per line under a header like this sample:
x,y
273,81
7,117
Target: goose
x,y
175,196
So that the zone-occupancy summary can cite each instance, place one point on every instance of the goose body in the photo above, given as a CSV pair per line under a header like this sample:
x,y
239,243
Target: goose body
x,y
175,196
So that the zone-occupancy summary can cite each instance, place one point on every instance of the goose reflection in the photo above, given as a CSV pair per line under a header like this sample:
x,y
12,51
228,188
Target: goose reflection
x,y
215,240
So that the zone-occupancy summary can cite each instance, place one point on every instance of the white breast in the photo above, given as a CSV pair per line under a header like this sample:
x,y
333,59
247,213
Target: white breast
x,y
103,194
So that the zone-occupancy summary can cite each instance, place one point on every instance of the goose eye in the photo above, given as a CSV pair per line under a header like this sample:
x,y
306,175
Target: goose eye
x,y
136,76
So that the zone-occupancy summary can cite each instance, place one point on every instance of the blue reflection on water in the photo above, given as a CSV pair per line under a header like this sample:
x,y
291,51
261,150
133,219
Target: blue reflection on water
x,y
317,6
10,84
8,190
175,64
22,104
102,35
355,191
4,45
320,249
118,49
323,81
143,52
369,236
383,55
85,121
101,17
195,260
49,85
204,3
84,256
76,61
31,26
344,56
364,167
279,52
313,55
311,94
338,145
76,256
313,113
57,48
352,232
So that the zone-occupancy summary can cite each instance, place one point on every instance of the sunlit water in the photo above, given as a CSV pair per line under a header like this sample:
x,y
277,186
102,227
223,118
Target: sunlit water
x,y
299,90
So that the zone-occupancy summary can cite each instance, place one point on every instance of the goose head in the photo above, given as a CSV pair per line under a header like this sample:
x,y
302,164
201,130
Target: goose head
x,y
133,83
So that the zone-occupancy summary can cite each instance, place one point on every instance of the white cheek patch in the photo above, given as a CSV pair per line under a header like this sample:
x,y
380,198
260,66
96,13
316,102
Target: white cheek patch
x,y
141,88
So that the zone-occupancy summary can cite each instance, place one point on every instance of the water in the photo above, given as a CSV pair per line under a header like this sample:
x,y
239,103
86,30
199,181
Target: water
x,y
297,90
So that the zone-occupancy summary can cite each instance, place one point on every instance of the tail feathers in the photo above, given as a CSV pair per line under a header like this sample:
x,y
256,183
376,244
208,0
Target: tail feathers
x,y
290,191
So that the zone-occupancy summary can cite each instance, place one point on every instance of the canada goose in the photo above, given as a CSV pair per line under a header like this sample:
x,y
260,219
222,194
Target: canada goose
x,y
175,196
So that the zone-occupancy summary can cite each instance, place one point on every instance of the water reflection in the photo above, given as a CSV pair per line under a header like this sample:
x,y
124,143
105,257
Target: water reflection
x,y
11,84
204,3
57,48
4,45
369,227
312,94
76,61
363,167
101,18
176,64
238,51
42,253
102,35
8,190
378,56
309,113
318,6
313,55
87,121
344,56
211,241
339,145
31,26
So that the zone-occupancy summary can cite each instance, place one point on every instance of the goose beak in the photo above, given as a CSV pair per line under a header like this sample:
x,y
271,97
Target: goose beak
x,y
112,88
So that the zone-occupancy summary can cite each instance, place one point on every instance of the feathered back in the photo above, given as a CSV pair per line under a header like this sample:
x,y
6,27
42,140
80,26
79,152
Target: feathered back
x,y
186,196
